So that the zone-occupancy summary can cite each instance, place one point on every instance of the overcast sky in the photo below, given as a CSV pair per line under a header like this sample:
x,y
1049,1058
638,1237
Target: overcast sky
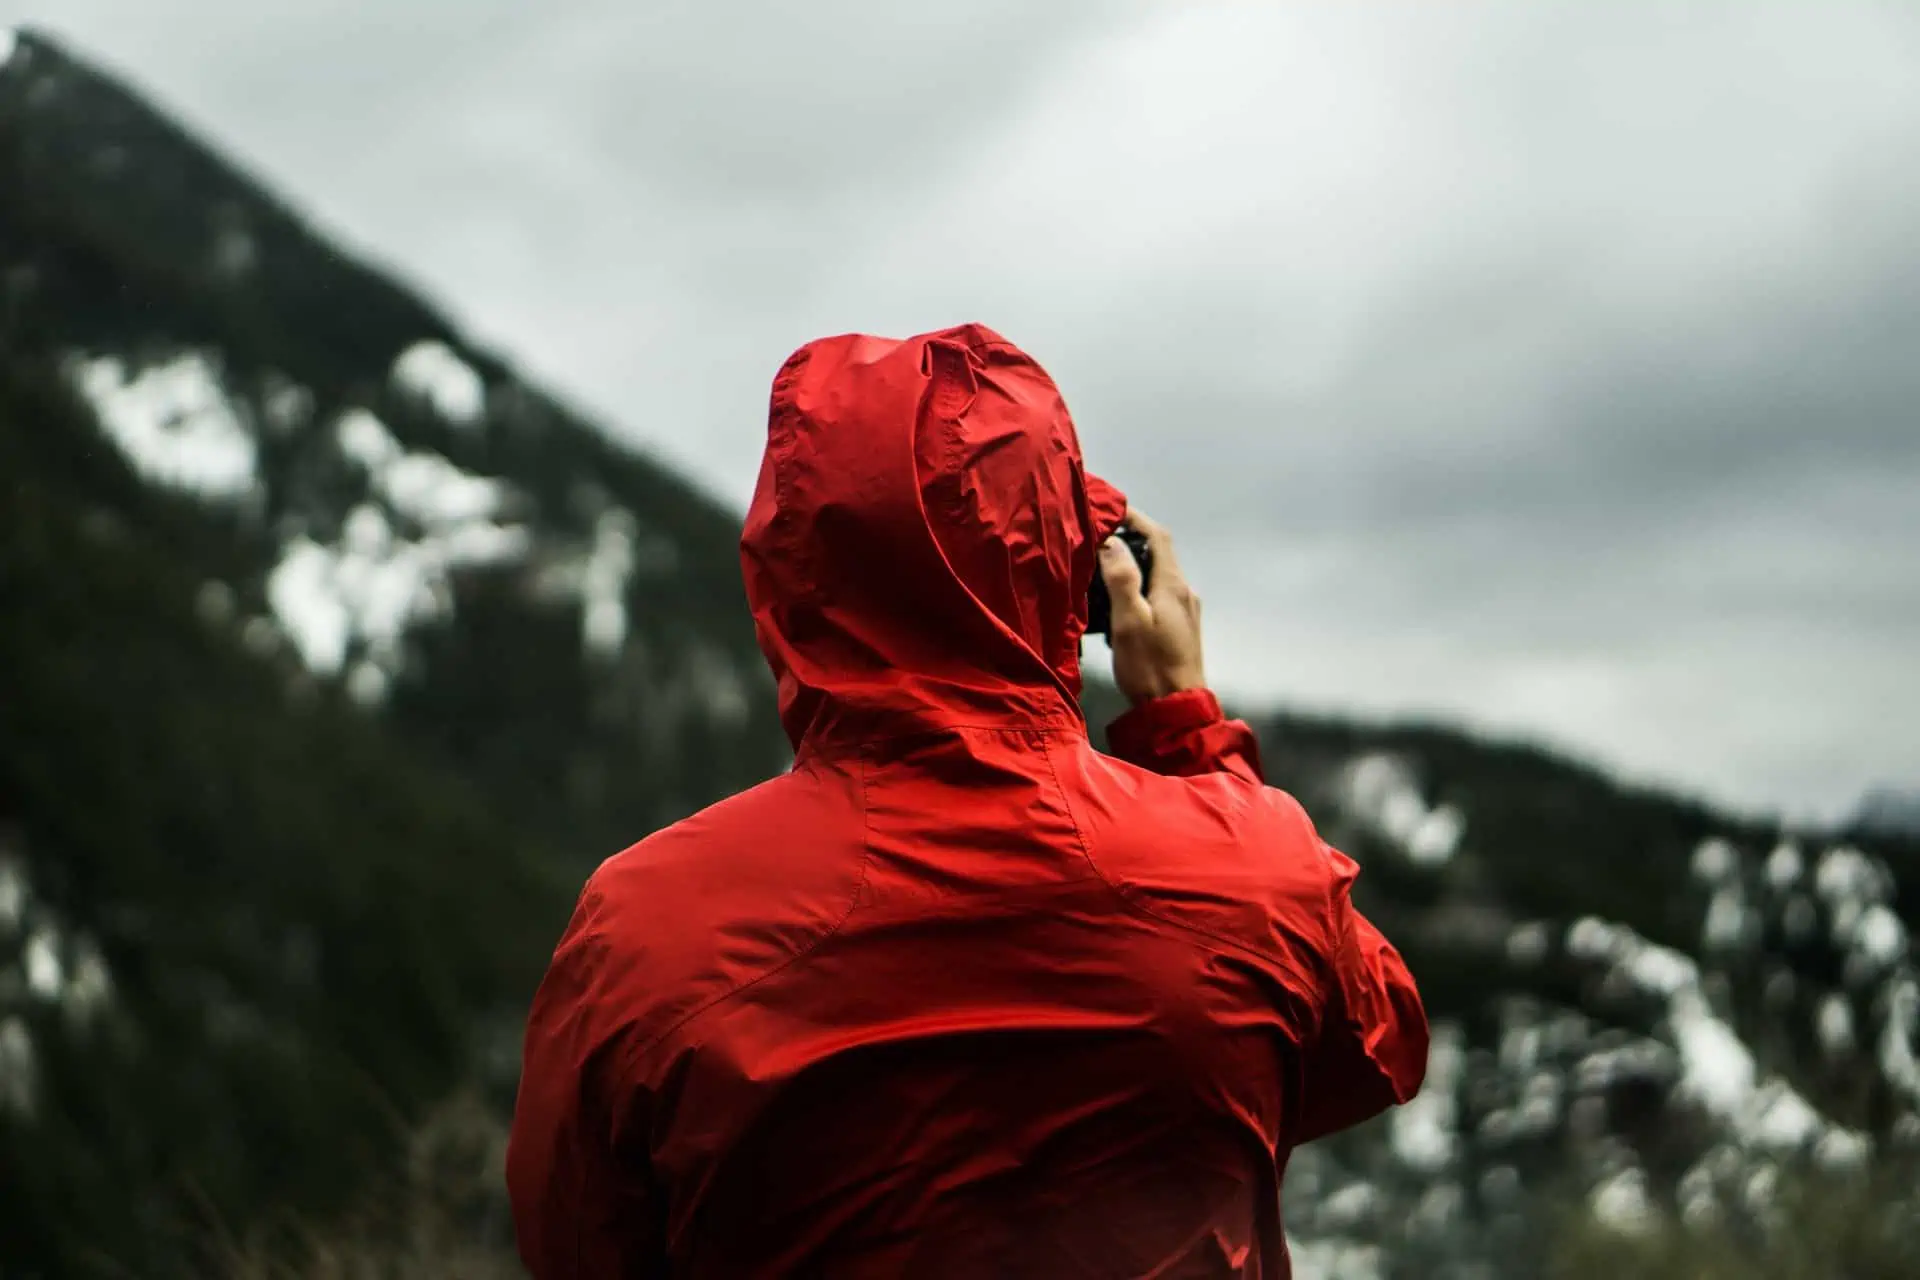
x,y
1554,368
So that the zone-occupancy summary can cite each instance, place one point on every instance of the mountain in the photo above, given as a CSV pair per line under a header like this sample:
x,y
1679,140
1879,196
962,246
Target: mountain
x,y
1889,811
336,654
282,847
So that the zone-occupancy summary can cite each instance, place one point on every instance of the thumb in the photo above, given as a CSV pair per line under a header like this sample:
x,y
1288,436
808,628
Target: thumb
x,y
1121,572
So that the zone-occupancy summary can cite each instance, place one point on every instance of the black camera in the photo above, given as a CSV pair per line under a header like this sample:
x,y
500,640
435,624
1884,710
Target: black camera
x,y
1099,605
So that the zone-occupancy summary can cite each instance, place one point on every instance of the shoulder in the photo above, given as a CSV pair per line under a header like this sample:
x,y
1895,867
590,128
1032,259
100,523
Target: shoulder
x,y
708,905
764,829
1222,856
1237,819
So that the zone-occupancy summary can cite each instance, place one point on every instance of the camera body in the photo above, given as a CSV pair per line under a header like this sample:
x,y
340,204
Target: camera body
x,y
1099,604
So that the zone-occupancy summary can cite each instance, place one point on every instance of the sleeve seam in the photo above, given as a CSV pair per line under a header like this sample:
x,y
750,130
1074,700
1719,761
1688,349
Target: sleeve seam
x,y
639,1054
1128,900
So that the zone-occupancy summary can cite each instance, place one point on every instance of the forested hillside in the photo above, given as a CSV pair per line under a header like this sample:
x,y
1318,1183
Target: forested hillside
x,y
333,655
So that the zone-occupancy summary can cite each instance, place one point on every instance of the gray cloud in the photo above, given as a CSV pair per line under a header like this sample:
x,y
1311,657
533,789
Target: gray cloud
x,y
1546,366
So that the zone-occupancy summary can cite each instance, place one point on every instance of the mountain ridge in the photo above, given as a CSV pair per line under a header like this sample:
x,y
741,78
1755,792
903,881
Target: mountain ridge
x,y
338,653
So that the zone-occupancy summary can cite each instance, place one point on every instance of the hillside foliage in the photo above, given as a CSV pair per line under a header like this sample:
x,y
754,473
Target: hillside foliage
x,y
335,655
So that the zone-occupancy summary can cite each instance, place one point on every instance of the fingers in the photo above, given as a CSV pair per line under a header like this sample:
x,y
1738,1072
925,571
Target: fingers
x,y
1119,570
1122,575
1167,575
1155,638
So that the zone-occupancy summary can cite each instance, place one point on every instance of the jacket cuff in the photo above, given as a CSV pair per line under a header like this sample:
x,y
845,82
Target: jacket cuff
x,y
1184,735
1147,730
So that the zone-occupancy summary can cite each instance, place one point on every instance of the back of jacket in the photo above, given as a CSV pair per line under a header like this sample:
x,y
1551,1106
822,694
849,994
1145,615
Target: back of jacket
x,y
959,995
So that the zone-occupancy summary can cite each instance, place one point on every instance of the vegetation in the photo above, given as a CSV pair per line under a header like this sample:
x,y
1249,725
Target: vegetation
x,y
306,925
1810,1228
256,929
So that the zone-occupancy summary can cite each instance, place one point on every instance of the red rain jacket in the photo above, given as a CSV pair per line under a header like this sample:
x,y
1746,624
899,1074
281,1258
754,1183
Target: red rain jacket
x,y
958,995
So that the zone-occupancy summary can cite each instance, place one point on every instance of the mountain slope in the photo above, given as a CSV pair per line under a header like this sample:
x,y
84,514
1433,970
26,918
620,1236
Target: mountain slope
x,y
1676,1020
381,471
281,846
209,886
335,655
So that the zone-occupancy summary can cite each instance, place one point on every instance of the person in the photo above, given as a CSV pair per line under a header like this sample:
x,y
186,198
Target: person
x,y
958,995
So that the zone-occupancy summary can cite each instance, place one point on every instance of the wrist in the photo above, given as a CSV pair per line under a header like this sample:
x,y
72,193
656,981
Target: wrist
x,y
1165,686
1188,707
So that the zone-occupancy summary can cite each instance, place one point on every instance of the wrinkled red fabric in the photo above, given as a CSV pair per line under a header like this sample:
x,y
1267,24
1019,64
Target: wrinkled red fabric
x,y
958,996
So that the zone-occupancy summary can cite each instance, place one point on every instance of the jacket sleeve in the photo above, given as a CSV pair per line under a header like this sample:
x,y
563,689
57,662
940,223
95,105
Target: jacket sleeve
x,y
582,1203
1371,1051
1185,734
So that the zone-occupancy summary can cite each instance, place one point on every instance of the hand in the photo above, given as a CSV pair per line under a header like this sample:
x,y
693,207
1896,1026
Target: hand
x,y
1156,637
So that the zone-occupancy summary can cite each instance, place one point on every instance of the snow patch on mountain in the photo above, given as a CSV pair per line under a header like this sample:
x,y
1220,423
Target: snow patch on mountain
x,y
1845,874
1381,790
1716,862
1728,924
40,960
377,581
1658,1053
424,487
9,42
1879,937
1784,866
1833,1024
1861,925
373,585
1717,1069
1424,1133
13,894
431,370
1621,1203
438,494
603,583
172,421
49,965
365,439
600,576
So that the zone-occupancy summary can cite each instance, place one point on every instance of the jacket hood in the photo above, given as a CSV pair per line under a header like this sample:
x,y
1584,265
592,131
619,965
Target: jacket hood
x,y
921,539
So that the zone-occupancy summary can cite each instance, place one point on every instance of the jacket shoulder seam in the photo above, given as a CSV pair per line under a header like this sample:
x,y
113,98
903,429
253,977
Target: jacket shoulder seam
x,y
1127,899
853,903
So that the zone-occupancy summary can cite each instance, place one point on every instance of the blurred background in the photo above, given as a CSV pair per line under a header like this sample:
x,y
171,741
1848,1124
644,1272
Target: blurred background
x,y
1532,390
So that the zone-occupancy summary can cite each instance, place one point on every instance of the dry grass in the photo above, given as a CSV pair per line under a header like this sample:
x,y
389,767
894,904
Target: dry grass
x,y
444,1217
1818,1227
